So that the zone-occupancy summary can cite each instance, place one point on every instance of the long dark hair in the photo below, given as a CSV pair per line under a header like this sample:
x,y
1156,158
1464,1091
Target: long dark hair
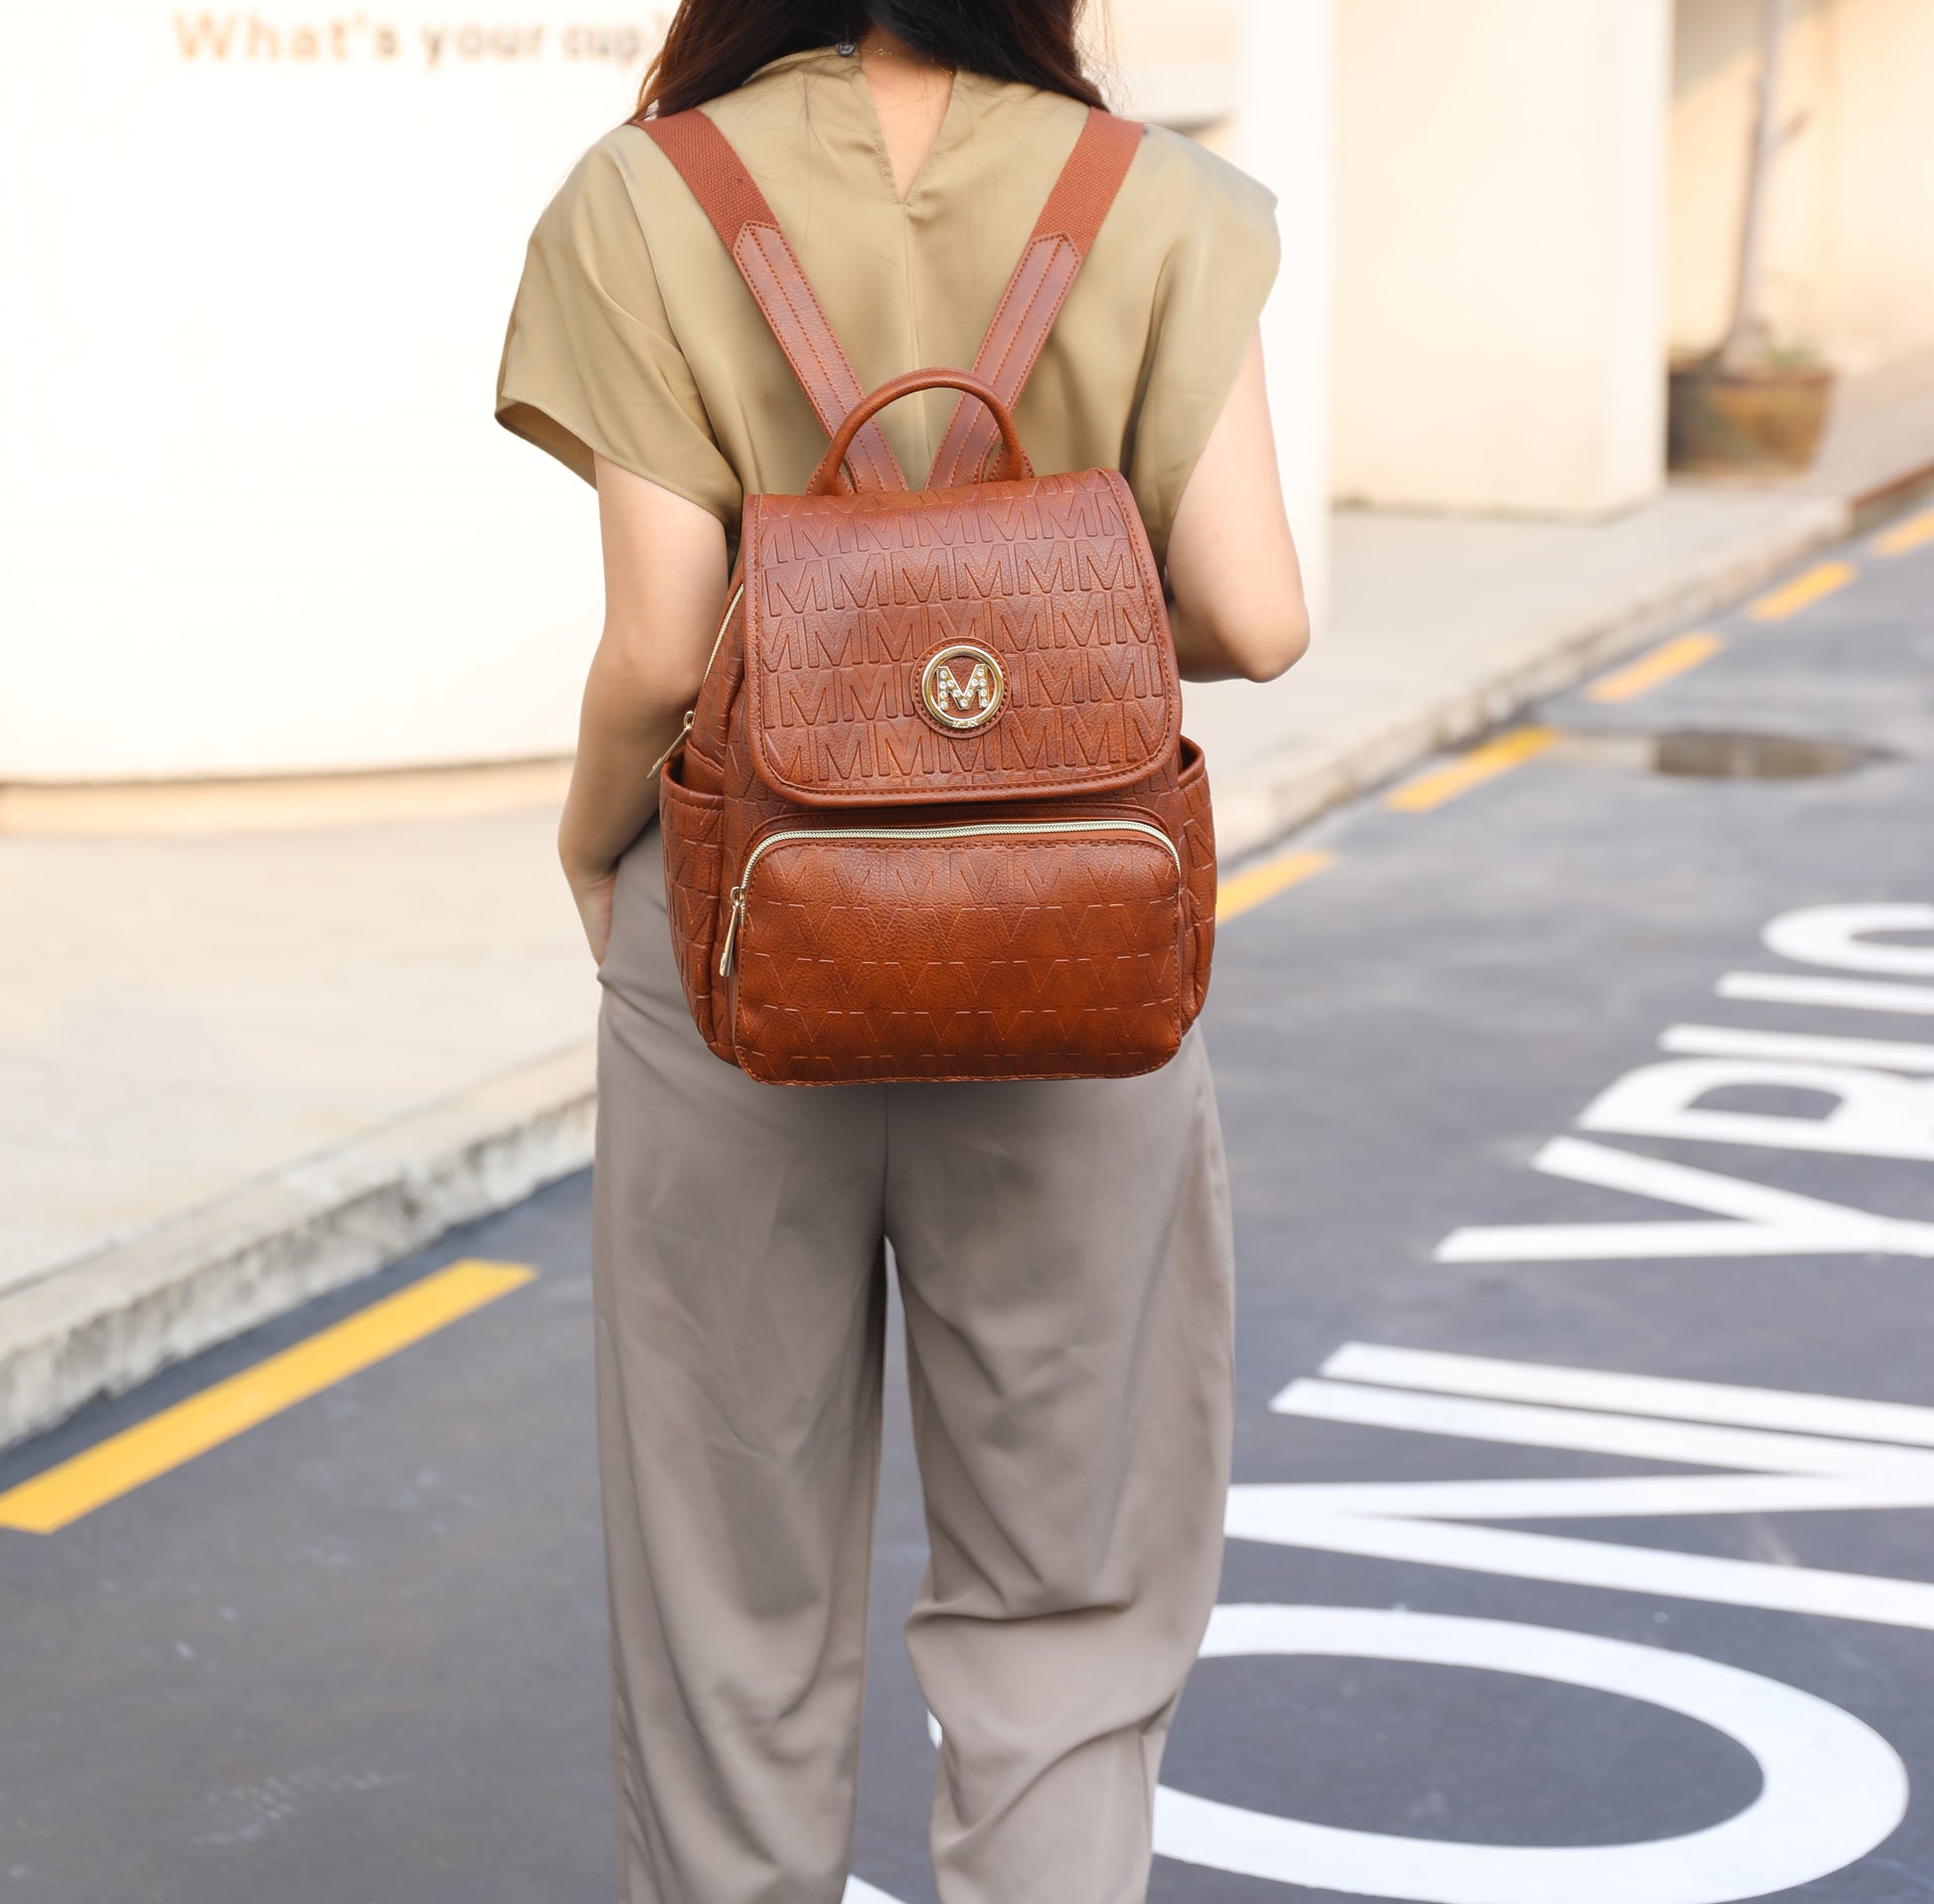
x,y
715,45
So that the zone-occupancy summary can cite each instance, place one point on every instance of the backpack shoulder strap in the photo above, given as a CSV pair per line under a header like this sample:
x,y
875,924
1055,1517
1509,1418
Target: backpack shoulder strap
x,y
1062,237
738,212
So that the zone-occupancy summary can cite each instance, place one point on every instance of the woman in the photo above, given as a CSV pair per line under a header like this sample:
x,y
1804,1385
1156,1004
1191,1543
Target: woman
x,y
1063,1248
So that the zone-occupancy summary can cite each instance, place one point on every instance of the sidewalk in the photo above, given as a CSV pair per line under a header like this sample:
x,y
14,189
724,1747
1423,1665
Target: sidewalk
x,y
251,1047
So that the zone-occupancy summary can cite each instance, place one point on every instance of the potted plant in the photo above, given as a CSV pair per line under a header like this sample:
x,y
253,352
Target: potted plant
x,y
1748,406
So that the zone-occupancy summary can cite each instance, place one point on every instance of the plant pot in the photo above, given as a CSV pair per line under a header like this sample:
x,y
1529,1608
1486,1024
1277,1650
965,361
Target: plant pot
x,y
1729,420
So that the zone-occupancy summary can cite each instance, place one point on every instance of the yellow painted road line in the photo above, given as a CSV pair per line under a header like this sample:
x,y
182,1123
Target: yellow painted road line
x,y
1914,532
123,1461
1665,662
1821,579
1470,771
1245,890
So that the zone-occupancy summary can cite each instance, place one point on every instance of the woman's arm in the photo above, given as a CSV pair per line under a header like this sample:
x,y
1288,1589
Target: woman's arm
x,y
663,591
1235,587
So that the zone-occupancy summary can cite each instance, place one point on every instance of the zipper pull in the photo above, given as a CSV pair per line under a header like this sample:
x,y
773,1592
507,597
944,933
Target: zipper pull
x,y
678,740
732,931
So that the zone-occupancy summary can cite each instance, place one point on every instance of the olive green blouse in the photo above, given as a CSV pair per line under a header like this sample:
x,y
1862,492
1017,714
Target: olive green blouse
x,y
633,335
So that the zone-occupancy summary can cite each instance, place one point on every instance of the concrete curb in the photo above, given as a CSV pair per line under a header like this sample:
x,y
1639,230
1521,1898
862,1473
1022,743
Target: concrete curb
x,y
102,1324
1258,811
105,1323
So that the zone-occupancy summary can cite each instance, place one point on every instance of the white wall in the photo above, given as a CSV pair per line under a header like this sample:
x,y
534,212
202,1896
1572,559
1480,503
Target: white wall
x,y
258,519
1173,62
1500,252
1285,133
1879,192
257,515
1255,80
1714,63
1850,229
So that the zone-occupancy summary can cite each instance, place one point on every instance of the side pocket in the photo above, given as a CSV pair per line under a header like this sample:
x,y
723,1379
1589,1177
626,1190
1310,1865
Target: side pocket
x,y
693,825
1199,875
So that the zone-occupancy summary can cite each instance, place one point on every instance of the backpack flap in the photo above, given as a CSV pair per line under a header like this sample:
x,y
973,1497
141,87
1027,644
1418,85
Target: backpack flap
x,y
1005,641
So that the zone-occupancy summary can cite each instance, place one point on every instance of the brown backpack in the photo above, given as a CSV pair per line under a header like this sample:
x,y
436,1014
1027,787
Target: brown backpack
x,y
933,817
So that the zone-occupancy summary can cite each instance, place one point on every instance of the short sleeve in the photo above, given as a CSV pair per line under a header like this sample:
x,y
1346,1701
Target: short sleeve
x,y
589,360
1219,270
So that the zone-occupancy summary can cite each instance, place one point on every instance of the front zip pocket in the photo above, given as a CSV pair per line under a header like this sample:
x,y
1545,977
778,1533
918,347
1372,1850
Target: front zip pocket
x,y
985,829
988,948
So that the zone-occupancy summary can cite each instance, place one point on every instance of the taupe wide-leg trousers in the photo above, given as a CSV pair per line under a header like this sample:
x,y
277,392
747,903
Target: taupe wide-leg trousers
x,y
1063,1255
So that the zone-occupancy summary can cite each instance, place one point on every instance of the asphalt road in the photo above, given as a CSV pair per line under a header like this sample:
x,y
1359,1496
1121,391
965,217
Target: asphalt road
x,y
1493,1632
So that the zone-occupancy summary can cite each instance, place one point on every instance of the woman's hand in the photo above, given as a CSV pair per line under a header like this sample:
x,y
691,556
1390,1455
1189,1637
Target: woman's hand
x,y
591,892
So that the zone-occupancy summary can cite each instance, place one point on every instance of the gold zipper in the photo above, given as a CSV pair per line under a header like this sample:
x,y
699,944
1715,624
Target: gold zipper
x,y
692,714
725,622
970,829
678,740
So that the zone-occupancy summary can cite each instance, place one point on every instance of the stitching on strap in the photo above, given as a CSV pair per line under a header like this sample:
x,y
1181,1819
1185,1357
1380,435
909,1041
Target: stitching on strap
x,y
731,198
1077,205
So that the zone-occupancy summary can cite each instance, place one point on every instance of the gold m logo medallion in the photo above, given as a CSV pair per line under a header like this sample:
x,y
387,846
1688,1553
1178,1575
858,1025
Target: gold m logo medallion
x,y
963,687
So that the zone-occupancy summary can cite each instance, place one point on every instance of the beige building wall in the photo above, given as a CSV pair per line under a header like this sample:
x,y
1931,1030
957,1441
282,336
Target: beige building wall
x,y
1285,134
1500,306
1175,62
260,520
258,517
1851,232
1253,79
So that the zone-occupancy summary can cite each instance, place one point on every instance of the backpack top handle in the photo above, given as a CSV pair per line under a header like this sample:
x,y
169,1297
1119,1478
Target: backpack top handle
x,y
1013,464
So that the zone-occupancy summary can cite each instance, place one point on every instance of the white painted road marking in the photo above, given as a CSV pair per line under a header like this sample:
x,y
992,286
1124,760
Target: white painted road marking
x,y
1452,1374
1872,1114
1581,1431
859,1892
1431,1523
1765,1222
1799,1048
1848,994
1831,1787
1836,935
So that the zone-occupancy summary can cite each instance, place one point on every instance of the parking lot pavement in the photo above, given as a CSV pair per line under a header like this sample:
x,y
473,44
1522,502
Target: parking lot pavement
x,y
1580,1117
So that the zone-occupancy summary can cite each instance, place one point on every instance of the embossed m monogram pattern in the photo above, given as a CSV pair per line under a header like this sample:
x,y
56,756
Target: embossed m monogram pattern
x,y
935,819
932,817
851,599
958,959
